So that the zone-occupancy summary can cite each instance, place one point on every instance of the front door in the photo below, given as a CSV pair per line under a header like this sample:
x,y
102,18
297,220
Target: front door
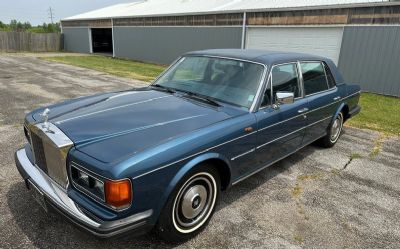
x,y
281,127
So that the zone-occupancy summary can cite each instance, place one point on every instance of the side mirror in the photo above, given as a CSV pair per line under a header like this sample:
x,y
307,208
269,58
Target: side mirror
x,y
284,98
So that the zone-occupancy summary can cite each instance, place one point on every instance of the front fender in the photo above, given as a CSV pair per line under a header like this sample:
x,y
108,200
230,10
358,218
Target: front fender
x,y
189,166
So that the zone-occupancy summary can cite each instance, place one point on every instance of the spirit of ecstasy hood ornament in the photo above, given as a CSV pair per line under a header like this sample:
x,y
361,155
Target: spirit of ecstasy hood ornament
x,y
45,114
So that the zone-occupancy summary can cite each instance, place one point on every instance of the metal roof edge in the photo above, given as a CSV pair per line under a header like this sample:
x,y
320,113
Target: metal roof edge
x,y
319,7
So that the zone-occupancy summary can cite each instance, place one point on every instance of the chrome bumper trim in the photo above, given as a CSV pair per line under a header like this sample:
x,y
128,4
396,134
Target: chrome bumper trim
x,y
58,198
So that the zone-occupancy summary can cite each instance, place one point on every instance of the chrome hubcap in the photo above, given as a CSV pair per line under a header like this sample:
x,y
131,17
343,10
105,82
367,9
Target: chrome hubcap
x,y
336,128
194,202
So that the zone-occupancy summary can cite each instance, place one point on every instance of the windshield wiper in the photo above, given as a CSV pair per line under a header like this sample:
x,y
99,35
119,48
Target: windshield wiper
x,y
201,97
164,88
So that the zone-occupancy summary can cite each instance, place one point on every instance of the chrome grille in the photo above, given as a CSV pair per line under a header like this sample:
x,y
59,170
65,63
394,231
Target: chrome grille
x,y
50,148
38,150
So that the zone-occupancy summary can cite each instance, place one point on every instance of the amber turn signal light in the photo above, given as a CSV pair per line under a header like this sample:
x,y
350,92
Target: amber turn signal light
x,y
118,193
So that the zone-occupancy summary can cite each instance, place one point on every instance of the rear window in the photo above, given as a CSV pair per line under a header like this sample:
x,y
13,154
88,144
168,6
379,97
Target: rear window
x,y
314,77
329,76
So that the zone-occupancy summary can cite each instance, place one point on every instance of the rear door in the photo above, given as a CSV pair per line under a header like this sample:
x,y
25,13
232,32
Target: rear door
x,y
322,96
280,129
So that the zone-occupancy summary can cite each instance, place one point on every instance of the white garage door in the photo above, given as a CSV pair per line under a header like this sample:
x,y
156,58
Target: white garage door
x,y
323,41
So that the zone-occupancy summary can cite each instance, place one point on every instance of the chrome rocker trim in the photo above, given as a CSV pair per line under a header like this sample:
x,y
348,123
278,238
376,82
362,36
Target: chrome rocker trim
x,y
58,198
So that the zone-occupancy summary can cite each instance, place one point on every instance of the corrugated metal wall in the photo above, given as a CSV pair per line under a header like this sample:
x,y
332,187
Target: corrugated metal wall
x,y
322,41
76,40
370,57
165,44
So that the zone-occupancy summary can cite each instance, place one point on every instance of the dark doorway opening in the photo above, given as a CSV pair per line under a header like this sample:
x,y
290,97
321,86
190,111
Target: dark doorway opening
x,y
102,41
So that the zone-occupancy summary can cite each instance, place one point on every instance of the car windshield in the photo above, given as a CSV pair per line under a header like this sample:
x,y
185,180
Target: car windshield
x,y
225,80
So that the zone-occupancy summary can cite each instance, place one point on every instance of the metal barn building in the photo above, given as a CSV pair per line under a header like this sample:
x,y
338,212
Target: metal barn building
x,y
361,37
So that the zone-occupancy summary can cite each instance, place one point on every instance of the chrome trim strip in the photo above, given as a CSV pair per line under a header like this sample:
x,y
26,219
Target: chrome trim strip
x,y
280,122
302,128
198,153
243,154
206,150
111,109
225,57
60,199
121,94
259,93
303,92
324,91
142,128
269,164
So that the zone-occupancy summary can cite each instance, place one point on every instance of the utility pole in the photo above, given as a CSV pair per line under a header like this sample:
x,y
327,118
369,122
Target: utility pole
x,y
51,14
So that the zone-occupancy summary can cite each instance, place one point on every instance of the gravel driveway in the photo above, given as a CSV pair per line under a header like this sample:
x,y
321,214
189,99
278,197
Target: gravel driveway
x,y
344,197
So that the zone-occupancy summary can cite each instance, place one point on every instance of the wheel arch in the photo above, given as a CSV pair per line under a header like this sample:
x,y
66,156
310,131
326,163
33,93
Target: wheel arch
x,y
344,108
217,160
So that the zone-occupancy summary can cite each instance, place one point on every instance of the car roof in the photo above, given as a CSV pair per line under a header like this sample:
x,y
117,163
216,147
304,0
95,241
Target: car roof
x,y
260,56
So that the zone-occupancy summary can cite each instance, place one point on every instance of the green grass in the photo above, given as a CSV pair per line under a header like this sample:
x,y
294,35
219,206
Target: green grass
x,y
354,156
124,68
380,113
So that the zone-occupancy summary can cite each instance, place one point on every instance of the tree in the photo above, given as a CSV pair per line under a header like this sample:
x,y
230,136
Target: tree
x,y
19,27
26,25
13,25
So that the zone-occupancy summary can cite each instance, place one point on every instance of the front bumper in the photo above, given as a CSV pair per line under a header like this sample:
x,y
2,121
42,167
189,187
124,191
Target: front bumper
x,y
58,198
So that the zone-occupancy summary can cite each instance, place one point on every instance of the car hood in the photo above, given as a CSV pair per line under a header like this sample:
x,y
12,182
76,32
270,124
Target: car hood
x,y
112,126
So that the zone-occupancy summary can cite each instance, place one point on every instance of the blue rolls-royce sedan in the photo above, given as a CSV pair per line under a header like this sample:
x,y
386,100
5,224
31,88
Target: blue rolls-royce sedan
x,y
157,158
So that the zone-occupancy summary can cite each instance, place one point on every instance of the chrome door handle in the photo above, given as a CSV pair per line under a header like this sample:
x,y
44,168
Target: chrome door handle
x,y
303,110
337,98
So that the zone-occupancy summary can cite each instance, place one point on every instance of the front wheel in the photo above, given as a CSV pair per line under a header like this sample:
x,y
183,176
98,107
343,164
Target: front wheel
x,y
334,132
191,205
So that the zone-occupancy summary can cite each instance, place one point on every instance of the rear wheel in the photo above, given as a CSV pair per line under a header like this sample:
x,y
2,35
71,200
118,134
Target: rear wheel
x,y
334,132
191,205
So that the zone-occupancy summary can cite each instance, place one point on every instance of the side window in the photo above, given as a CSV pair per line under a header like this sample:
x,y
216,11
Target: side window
x,y
329,76
314,77
285,79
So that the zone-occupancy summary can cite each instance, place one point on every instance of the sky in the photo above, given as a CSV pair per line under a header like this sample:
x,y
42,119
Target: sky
x,y
36,11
